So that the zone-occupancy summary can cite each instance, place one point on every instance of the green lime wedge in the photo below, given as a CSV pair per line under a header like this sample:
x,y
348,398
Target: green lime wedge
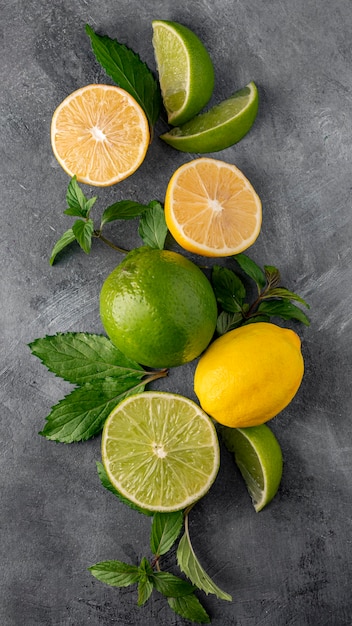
x,y
259,458
222,126
185,69
160,451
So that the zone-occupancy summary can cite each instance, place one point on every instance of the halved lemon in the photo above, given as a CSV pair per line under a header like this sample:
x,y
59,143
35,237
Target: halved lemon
x,y
100,134
212,209
160,450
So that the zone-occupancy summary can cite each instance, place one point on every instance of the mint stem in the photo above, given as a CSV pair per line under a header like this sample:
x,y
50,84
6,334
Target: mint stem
x,y
98,235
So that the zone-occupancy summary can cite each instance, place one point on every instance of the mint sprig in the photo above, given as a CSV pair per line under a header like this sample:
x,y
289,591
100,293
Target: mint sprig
x,y
103,375
127,70
148,575
272,300
152,225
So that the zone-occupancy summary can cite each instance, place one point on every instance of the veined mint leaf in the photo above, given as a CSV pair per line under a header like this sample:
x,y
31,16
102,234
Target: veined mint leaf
x,y
252,270
272,275
229,290
228,321
145,588
190,566
77,202
284,309
152,226
171,586
115,573
83,231
83,358
127,70
166,528
122,210
65,239
285,294
190,608
107,484
81,414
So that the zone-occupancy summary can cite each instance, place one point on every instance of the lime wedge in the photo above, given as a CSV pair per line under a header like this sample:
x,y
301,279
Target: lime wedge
x,y
222,126
185,69
160,450
259,458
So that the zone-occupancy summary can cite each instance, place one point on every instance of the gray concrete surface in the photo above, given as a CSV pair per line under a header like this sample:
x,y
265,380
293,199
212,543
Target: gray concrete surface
x,y
291,563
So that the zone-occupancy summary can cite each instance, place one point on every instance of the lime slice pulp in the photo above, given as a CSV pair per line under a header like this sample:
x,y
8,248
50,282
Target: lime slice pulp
x,y
222,126
160,450
186,72
259,458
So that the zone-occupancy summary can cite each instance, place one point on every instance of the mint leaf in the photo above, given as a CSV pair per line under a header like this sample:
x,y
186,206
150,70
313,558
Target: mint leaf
x,y
171,586
272,275
83,358
252,270
77,202
166,527
190,566
228,288
115,573
284,309
107,485
65,239
228,321
127,70
152,226
190,608
81,414
122,210
83,231
282,292
145,588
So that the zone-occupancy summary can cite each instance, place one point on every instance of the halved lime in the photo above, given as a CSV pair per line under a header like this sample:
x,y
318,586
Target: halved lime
x,y
160,450
222,126
259,458
185,69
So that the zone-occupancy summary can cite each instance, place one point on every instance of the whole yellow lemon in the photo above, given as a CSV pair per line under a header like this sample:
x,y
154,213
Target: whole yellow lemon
x,y
250,374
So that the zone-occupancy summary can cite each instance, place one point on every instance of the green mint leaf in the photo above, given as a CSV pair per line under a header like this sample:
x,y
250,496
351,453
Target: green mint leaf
x,y
166,527
145,569
81,414
256,318
190,566
127,70
65,239
252,270
83,231
83,358
228,288
284,309
145,588
272,275
107,485
122,210
115,573
282,292
228,321
190,608
76,200
152,226
171,586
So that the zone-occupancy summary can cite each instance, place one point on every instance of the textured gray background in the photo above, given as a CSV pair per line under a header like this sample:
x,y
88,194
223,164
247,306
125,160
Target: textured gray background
x,y
291,563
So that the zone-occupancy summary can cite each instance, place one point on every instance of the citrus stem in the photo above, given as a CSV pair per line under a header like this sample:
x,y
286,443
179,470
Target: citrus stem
x,y
155,375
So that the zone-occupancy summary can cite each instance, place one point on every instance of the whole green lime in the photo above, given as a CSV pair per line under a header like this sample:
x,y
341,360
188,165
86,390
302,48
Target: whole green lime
x,y
158,308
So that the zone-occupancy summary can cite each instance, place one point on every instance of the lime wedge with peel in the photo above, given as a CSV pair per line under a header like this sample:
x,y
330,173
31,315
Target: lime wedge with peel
x,y
160,450
221,127
185,69
259,458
